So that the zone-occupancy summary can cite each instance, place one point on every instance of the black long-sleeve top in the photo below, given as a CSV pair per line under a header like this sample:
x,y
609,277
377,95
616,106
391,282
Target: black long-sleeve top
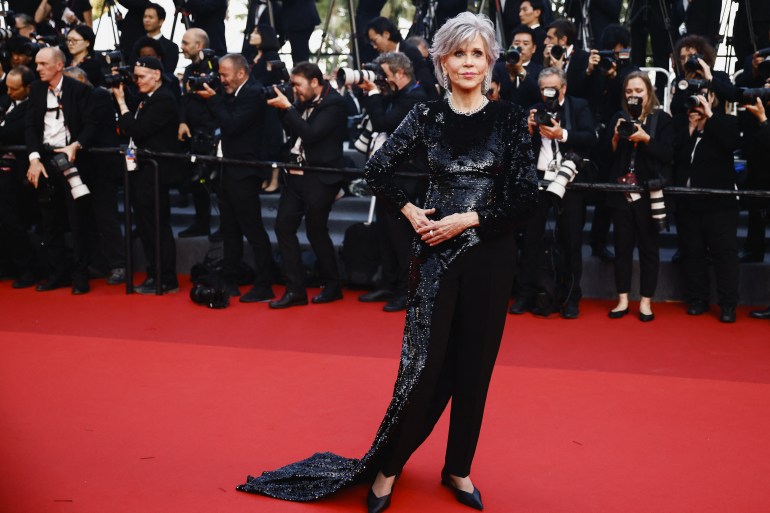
x,y
481,163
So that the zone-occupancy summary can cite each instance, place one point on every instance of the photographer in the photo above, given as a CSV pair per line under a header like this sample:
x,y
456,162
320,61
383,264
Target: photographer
x,y
696,59
561,52
641,154
519,73
152,127
559,125
241,114
758,141
317,124
16,200
198,128
59,120
704,141
394,231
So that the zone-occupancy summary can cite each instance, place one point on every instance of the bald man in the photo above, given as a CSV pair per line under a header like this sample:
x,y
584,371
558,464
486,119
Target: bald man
x,y
59,120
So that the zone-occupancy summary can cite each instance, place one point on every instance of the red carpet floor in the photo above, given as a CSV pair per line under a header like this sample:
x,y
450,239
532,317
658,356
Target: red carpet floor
x,y
145,404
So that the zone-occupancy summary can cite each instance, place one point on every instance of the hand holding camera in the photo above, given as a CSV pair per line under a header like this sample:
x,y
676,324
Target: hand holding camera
x,y
280,101
758,110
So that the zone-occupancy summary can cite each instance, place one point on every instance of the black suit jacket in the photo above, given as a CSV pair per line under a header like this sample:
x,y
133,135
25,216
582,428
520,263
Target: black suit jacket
x,y
527,93
298,15
155,128
170,54
77,109
209,15
578,83
242,119
712,165
131,27
510,18
576,118
12,131
323,133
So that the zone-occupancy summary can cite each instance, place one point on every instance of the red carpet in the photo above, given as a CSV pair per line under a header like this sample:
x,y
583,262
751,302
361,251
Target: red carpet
x,y
144,404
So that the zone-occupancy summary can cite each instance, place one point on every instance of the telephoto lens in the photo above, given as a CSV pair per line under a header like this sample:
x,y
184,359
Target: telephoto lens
x,y
77,188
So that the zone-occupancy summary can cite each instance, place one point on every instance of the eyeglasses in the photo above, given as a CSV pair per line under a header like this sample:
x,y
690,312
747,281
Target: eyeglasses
x,y
72,40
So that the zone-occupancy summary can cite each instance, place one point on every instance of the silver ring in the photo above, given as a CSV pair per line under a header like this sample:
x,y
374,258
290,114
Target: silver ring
x,y
431,233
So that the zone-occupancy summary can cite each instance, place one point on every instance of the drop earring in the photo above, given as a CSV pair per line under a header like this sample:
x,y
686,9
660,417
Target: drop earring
x,y
446,82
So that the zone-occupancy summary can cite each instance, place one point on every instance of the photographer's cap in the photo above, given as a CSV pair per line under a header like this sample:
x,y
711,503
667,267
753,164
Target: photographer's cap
x,y
149,63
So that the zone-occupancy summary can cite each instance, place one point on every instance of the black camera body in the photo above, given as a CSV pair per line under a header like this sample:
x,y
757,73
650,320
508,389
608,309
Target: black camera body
x,y
610,57
557,52
695,89
750,95
512,55
122,75
691,65
206,72
114,58
280,76
196,82
635,106
546,116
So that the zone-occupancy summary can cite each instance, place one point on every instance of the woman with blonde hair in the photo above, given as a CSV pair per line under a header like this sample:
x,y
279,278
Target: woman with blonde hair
x,y
482,183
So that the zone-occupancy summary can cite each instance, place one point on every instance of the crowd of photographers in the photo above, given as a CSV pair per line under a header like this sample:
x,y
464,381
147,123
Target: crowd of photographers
x,y
593,116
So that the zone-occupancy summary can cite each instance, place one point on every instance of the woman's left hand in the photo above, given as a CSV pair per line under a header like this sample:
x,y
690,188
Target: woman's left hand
x,y
447,228
640,136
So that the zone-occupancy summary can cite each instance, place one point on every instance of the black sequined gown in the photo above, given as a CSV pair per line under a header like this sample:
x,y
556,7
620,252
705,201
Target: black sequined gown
x,y
480,163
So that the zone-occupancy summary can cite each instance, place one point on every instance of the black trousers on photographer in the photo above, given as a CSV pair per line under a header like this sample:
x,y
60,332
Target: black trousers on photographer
x,y
306,196
60,213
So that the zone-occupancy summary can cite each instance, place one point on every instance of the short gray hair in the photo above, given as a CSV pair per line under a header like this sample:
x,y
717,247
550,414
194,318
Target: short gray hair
x,y
237,60
461,29
547,72
396,61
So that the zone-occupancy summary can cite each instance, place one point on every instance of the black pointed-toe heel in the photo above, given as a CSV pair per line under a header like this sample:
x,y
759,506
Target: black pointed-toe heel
x,y
471,499
376,504
617,314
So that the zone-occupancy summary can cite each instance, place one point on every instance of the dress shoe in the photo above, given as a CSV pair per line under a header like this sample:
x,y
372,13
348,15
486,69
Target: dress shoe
x,y
520,306
216,236
472,499
376,504
24,281
396,304
697,307
760,314
195,230
750,257
617,314
376,296
258,295
80,286
603,254
147,287
52,283
117,276
646,317
727,313
327,295
290,299
570,310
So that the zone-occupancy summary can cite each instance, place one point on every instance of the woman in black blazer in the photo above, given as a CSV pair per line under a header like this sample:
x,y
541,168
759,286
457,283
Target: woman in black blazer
x,y
80,47
643,157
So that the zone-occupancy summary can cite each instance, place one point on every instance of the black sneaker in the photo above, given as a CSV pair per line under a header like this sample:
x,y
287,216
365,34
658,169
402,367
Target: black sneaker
x,y
148,287
117,276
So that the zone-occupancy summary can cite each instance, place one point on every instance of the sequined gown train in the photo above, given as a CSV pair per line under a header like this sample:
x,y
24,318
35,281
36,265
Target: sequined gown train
x,y
480,163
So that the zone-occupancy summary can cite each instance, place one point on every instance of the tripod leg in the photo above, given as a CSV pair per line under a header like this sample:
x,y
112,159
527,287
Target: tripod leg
x,y
325,31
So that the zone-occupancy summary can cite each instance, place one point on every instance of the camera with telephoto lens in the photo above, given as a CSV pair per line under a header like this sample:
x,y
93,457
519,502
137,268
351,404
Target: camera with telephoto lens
x,y
557,52
691,65
695,88
610,57
627,128
570,166
657,203
122,75
512,55
750,95
62,164
369,71
8,32
546,116
279,75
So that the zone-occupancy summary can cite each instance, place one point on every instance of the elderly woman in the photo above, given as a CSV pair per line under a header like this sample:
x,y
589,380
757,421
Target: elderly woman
x,y
482,182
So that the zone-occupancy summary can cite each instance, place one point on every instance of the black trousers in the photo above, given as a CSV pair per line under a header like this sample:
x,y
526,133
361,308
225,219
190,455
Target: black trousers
x,y
755,234
634,227
306,197
703,234
647,21
59,213
600,223
102,173
14,236
569,225
241,214
465,332
300,48
143,201
394,234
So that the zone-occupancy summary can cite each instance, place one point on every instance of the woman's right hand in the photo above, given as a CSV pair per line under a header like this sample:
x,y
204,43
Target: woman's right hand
x,y
417,216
